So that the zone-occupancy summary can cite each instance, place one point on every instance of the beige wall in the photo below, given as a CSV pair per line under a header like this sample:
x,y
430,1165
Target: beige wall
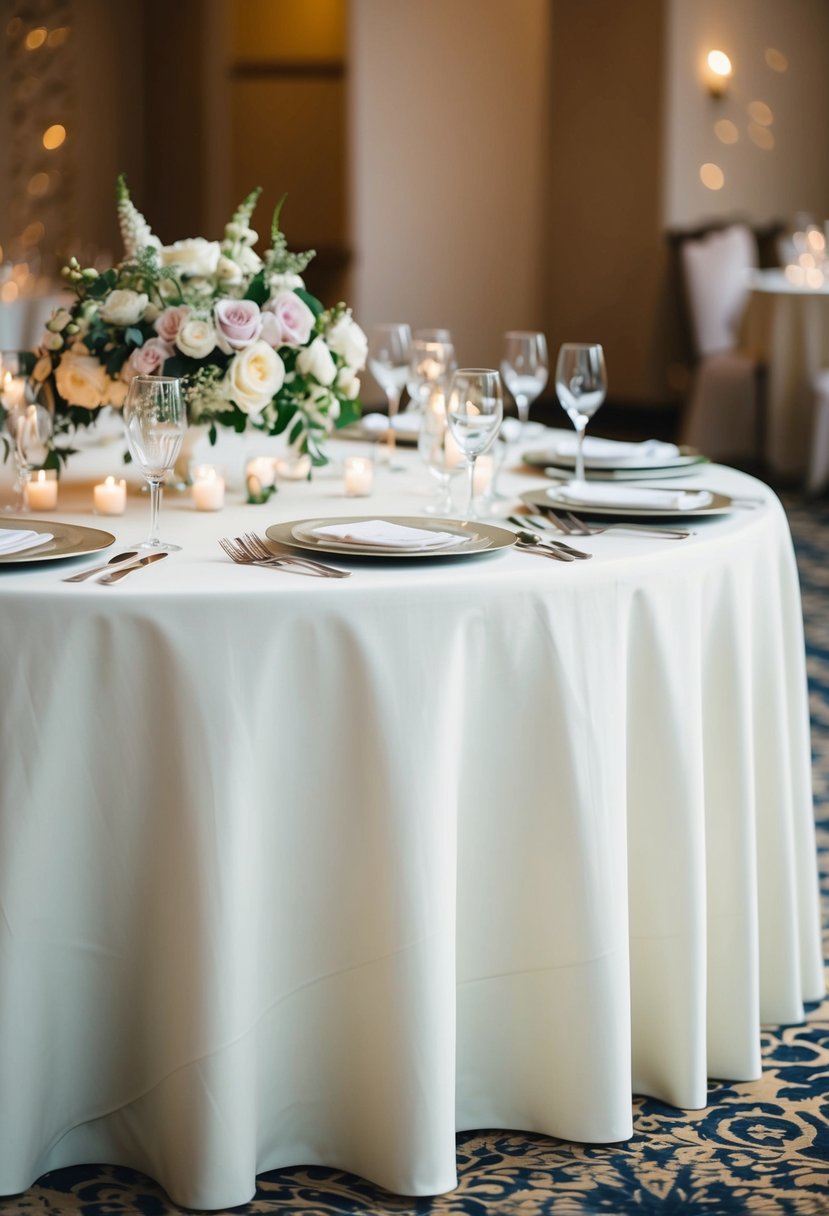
x,y
448,161
764,184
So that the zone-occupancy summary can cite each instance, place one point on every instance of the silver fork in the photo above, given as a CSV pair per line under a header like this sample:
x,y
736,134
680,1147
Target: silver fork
x,y
260,549
571,525
239,551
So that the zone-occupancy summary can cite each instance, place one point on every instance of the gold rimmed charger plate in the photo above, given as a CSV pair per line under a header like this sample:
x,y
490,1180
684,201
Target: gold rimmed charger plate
x,y
720,504
474,537
68,540
405,436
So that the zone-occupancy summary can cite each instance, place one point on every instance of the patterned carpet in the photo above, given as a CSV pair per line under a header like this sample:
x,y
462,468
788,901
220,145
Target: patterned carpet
x,y
760,1148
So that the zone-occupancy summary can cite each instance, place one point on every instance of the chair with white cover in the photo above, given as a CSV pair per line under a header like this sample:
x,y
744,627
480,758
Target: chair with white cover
x,y
818,477
725,416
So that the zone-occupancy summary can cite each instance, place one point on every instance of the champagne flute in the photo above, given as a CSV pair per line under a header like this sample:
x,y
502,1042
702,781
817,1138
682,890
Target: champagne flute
x,y
474,413
581,386
431,444
524,369
433,361
389,357
155,422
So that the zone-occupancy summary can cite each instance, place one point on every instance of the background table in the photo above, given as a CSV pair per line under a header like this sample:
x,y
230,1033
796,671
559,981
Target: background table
x,y
788,326
296,870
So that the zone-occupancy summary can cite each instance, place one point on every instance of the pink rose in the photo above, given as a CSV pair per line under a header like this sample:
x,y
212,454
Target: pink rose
x,y
170,321
296,321
147,360
238,324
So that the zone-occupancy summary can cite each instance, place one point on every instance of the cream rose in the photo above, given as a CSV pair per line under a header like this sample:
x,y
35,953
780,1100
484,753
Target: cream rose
x,y
196,338
196,257
115,393
315,360
124,307
255,375
347,339
81,380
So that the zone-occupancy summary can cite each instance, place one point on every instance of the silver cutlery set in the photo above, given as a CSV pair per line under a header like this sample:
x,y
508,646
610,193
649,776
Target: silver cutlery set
x,y
534,534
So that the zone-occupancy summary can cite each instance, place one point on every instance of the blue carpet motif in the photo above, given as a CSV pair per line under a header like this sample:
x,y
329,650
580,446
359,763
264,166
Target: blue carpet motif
x,y
759,1148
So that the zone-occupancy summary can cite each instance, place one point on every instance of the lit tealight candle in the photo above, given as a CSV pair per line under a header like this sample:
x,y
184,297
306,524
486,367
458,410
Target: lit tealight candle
x,y
482,477
42,491
260,475
208,488
110,497
359,476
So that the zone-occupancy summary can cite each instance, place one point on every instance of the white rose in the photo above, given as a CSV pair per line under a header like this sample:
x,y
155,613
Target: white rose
x,y
228,273
81,380
315,360
255,375
193,257
347,339
348,383
196,338
284,282
124,307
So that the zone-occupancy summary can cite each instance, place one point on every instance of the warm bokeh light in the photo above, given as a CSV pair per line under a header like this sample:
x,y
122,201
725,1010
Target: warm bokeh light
x,y
8,292
35,38
719,63
32,234
58,36
38,185
20,272
814,277
776,60
761,136
726,131
806,261
54,136
712,176
760,113
816,240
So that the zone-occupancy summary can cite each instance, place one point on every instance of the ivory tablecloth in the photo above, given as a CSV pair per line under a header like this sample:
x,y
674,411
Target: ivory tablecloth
x,y
788,326
305,871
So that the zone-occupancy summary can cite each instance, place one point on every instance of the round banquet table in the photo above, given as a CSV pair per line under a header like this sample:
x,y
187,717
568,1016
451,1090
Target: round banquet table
x,y
787,324
298,870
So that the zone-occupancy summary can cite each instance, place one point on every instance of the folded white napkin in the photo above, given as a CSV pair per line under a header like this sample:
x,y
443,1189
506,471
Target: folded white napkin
x,y
386,535
615,454
17,540
407,421
610,494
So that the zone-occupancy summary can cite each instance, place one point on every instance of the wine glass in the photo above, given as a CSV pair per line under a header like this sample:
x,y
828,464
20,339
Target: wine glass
x,y
155,422
581,386
431,444
29,427
389,357
474,413
433,361
524,369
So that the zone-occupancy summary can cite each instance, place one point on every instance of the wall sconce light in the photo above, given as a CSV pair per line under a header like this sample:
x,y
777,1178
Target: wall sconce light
x,y
719,73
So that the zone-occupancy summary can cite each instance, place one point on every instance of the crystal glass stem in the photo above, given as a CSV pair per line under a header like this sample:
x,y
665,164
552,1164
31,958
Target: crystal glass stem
x,y
155,503
581,427
394,406
470,459
522,404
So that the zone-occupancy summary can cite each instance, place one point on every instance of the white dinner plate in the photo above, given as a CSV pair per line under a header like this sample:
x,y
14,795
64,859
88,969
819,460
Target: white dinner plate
x,y
720,504
68,540
473,537
679,468
686,461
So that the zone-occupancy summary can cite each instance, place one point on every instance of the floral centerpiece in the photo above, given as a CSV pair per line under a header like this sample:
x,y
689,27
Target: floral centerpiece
x,y
253,348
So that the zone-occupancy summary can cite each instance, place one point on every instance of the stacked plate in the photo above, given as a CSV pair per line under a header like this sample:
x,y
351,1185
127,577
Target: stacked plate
x,y
611,460
390,536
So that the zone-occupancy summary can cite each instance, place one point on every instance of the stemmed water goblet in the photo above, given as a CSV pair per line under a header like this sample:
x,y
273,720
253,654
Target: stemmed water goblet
x,y
581,386
474,413
28,426
155,421
524,369
389,358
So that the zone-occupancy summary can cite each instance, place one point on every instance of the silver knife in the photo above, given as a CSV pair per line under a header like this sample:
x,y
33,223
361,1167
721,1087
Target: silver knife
x,y
109,579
